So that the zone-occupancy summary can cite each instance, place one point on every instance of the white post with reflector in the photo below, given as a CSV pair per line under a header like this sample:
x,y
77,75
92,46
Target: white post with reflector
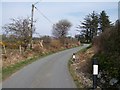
x,y
95,73
95,69
74,57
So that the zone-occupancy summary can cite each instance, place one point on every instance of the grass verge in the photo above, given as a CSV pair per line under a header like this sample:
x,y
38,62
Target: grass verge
x,y
72,72
7,71
74,76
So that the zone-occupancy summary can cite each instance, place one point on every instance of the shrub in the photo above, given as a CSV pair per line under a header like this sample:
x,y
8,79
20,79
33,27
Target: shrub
x,y
55,44
108,53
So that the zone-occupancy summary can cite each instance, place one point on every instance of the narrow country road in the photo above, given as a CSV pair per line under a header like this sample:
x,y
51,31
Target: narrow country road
x,y
48,72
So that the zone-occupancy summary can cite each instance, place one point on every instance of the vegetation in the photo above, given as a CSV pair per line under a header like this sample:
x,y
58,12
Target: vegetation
x,y
19,30
104,21
89,26
92,25
105,39
60,29
81,69
108,53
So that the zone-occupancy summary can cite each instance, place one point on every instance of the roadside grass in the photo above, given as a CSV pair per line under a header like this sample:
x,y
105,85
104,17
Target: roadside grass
x,y
72,72
8,71
74,76
85,49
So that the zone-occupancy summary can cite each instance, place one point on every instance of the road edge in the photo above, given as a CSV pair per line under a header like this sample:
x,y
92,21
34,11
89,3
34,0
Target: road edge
x,y
71,71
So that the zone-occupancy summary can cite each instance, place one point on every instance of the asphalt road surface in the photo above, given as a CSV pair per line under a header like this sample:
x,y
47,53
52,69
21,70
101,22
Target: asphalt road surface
x,y
48,72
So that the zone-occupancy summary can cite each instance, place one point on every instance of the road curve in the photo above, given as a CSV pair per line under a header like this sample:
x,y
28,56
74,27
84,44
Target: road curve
x,y
48,72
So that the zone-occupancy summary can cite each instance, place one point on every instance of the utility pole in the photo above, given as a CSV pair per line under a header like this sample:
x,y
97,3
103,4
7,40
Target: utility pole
x,y
31,25
32,13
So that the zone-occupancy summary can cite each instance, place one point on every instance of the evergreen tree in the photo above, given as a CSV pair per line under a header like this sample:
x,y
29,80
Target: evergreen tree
x,y
86,28
94,24
90,26
104,21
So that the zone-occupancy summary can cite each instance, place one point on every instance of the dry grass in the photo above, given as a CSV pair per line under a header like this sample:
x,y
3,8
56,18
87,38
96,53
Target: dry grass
x,y
82,68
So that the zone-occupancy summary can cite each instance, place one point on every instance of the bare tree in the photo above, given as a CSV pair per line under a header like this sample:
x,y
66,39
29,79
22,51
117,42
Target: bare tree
x,y
60,29
21,29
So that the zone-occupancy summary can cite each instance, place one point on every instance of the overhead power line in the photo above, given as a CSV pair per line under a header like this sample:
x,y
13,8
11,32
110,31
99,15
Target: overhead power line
x,y
35,3
44,15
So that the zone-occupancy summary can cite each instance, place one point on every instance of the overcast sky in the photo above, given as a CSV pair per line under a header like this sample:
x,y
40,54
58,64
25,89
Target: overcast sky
x,y
55,11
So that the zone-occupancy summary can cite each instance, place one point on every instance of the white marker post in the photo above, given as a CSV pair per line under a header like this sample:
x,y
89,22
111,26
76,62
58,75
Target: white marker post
x,y
73,57
95,73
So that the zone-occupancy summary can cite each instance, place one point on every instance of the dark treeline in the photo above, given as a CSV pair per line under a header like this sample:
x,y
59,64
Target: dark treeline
x,y
93,25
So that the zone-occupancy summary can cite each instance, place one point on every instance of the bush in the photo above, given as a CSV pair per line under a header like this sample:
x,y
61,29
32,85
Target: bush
x,y
55,44
108,53
12,45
